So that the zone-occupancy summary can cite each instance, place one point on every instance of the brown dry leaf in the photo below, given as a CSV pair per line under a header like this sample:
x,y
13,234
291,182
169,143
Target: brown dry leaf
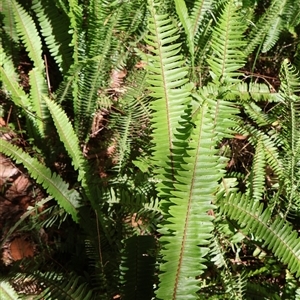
x,y
7,169
116,77
20,248
141,65
2,122
241,137
18,188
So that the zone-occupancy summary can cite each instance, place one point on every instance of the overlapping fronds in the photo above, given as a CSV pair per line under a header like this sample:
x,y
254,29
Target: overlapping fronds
x,y
53,23
187,194
128,122
223,113
29,36
227,44
137,268
68,199
270,145
57,286
71,143
278,23
265,24
277,234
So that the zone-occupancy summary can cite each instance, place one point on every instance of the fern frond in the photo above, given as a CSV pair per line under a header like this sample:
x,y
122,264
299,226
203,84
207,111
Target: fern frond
x,y
38,90
291,102
278,234
227,44
187,194
277,25
270,146
10,80
260,30
29,35
68,199
56,286
200,10
9,25
185,20
67,136
7,292
137,268
129,123
167,79
256,183
289,75
53,23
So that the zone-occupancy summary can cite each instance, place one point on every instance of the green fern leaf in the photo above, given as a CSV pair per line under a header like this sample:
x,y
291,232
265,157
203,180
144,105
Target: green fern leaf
x,y
67,136
38,91
71,142
227,44
53,23
278,235
68,199
7,292
28,34
256,183
262,28
10,80
185,20
9,22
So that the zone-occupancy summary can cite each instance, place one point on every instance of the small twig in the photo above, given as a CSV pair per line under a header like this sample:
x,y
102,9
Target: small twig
x,y
47,76
20,128
99,241
8,116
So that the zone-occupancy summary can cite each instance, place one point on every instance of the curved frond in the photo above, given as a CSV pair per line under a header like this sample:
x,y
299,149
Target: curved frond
x,y
68,199
10,80
278,234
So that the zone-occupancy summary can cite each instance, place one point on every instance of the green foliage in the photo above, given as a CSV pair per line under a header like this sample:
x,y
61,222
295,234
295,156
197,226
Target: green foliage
x,y
182,165
68,199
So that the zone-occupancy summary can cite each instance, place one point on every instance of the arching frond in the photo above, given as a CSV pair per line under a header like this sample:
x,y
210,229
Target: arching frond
x,y
277,234
68,199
